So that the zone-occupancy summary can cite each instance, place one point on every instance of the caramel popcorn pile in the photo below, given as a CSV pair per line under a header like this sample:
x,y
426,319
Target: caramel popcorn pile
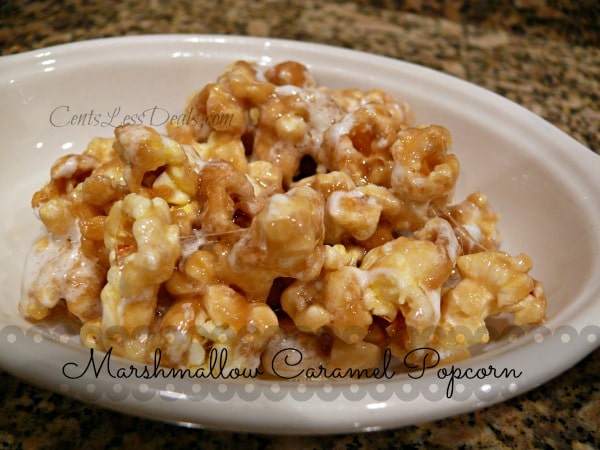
x,y
282,215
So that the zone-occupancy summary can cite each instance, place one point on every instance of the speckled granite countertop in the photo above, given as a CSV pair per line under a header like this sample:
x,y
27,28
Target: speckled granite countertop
x,y
541,54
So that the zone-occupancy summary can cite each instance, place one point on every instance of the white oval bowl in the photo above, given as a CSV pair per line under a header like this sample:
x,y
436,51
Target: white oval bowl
x,y
544,184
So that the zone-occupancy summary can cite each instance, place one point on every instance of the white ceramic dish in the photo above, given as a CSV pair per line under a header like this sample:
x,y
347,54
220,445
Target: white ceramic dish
x,y
544,183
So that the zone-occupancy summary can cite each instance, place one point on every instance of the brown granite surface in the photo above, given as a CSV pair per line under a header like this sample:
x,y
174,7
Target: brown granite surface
x,y
542,54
